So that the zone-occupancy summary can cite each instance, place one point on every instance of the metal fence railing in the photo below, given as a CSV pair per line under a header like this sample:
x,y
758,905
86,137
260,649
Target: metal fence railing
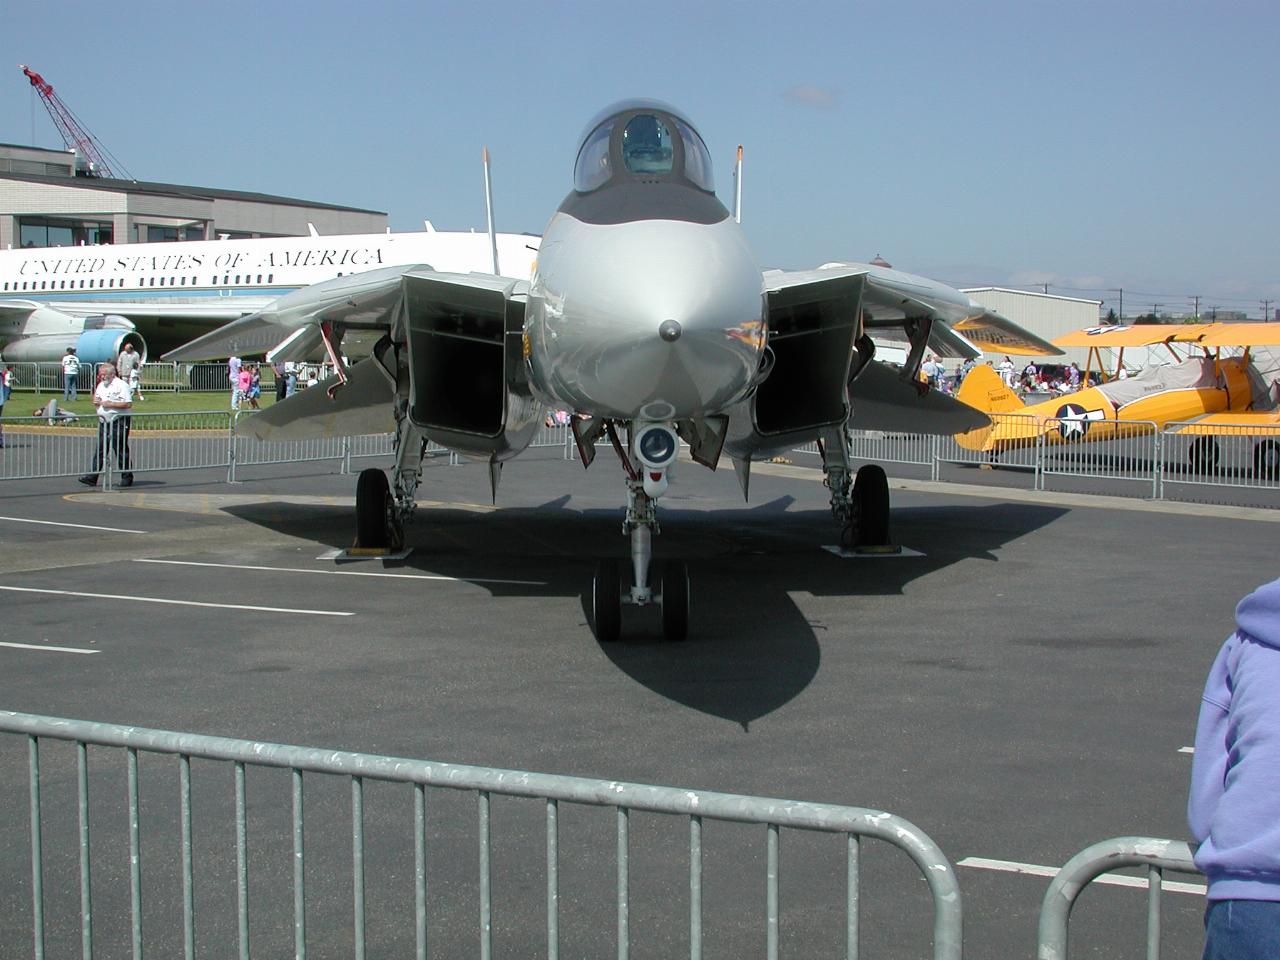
x,y
1090,863
1221,456
852,824
913,448
1118,450
1127,455
1012,440
1145,457
154,376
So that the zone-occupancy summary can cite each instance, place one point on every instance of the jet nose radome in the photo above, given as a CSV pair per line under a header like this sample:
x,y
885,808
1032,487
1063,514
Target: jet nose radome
x,y
659,320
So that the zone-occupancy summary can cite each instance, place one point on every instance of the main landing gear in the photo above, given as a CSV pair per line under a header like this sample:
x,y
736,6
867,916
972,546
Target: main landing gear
x,y
383,507
655,448
860,504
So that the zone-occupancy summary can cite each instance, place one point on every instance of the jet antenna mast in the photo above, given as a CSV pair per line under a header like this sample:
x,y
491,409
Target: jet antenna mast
x,y
488,209
737,187
75,136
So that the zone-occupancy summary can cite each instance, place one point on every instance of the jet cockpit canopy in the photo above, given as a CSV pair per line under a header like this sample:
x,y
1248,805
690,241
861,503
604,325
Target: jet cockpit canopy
x,y
641,140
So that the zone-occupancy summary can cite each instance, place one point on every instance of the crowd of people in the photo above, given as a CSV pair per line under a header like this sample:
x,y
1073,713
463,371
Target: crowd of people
x,y
1047,379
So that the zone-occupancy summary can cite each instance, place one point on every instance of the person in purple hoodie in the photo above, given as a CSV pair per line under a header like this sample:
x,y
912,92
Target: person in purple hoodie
x,y
1234,806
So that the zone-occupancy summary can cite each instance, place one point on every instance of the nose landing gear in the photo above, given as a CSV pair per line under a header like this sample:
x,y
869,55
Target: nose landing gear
x,y
641,523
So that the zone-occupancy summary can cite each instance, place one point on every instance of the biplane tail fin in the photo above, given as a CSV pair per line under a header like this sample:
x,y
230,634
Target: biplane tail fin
x,y
984,390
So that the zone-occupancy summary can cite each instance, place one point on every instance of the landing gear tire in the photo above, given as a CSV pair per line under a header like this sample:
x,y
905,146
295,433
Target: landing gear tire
x,y
1204,455
374,527
675,601
871,507
1266,460
606,602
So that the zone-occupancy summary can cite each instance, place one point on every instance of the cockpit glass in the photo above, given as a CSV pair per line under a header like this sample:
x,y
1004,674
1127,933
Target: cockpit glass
x,y
697,160
646,145
592,168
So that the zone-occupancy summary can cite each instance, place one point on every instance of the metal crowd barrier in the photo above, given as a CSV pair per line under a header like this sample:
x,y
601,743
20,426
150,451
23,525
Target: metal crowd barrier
x,y
1132,451
913,448
1138,451
1221,456
1186,454
852,823
1090,863
168,377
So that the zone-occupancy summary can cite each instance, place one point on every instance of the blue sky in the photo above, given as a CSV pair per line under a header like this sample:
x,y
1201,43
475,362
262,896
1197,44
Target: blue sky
x,y
1087,145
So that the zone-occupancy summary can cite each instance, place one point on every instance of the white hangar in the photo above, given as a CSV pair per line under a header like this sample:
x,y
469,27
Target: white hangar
x,y
1047,315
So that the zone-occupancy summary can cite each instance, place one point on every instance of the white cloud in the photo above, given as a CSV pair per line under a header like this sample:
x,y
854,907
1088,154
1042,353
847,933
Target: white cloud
x,y
813,96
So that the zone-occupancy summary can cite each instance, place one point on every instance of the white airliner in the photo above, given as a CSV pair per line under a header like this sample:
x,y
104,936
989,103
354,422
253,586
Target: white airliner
x,y
161,295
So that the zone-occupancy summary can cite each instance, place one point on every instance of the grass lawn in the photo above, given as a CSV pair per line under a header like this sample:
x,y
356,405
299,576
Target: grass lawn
x,y
23,402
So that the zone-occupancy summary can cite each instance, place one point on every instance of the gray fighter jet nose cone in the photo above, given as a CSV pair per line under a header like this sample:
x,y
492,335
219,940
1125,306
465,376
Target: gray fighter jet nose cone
x,y
669,330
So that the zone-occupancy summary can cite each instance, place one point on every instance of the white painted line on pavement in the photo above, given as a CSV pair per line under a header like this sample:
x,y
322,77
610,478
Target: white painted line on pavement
x,y
45,646
1113,879
1186,749
78,526
342,573
181,603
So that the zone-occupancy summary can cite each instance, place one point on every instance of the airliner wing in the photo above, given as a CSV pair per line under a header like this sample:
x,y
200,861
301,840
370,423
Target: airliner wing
x,y
209,309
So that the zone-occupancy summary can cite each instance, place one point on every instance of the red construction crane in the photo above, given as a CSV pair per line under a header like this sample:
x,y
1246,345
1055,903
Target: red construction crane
x,y
74,134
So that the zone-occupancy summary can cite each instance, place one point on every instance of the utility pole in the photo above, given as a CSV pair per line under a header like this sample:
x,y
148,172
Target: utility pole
x,y
1196,298
1155,311
1046,287
1119,290
1266,310
1213,314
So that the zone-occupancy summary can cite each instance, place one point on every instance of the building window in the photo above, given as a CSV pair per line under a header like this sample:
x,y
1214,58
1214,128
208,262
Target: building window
x,y
157,234
56,232
193,233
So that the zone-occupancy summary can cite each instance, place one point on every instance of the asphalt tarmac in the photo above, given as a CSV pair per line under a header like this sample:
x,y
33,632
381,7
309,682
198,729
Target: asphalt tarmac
x,y
1022,689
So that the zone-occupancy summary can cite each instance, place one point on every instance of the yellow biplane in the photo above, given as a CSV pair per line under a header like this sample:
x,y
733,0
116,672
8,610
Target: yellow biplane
x,y
1207,393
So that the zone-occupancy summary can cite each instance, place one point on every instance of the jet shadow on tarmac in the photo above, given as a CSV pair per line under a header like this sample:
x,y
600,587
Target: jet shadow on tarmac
x,y
755,649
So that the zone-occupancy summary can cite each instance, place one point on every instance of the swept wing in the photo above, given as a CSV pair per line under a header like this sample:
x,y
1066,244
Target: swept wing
x,y
893,300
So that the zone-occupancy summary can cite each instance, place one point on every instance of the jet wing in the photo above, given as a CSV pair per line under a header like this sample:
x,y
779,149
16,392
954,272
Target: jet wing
x,y
882,401
362,406
891,299
359,300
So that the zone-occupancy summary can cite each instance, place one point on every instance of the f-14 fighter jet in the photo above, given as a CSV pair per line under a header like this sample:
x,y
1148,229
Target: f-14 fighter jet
x,y
647,317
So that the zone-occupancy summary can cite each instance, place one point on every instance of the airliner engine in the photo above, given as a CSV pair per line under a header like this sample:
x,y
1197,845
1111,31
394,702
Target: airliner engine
x,y
99,340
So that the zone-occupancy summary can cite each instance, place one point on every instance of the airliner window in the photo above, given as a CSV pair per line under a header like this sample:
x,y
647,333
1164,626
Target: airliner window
x,y
646,145
592,168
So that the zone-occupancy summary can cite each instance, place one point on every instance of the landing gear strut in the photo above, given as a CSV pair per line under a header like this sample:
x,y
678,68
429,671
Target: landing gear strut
x,y
383,507
646,479
860,504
